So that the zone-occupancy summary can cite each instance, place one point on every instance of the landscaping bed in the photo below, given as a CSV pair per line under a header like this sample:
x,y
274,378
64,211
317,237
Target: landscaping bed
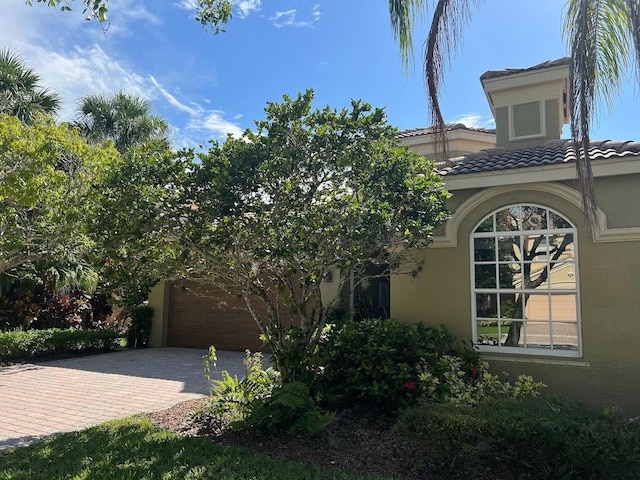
x,y
351,443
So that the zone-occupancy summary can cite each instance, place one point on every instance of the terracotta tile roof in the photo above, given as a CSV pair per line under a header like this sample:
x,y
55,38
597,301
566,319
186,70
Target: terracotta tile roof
x,y
554,152
415,132
512,71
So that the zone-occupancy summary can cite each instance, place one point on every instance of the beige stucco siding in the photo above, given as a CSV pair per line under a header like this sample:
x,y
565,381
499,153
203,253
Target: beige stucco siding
x,y
609,281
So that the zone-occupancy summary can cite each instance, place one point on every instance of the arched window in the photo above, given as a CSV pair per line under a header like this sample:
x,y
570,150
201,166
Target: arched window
x,y
524,282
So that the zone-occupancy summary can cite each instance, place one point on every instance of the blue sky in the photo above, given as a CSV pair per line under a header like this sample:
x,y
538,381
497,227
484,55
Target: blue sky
x,y
207,85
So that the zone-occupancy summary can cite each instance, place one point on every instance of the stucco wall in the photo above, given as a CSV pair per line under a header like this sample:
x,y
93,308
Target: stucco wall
x,y
609,371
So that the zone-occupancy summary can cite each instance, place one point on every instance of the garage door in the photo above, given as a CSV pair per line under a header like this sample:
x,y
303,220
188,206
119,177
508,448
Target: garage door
x,y
201,316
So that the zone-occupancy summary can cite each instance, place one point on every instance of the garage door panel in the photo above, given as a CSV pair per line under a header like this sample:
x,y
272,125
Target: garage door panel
x,y
200,316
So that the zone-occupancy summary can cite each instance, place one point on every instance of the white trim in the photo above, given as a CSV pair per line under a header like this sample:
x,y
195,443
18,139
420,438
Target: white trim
x,y
497,290
600,232
545,361
542,117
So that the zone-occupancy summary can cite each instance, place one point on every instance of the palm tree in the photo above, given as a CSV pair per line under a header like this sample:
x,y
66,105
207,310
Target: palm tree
x,y
602,36
124,118
20,93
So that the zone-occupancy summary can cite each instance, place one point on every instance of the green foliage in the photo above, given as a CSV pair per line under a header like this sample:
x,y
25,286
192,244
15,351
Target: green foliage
x,y
266,215
139,329
46,173
376,363
289,408
232,399
555,439
24,345
452,379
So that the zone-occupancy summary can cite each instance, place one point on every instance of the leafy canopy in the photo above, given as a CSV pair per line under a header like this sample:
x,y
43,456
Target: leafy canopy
x,y
45,174
266,216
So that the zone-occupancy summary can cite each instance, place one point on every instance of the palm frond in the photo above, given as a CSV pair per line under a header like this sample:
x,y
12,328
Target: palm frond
x,y
449,18
599,41
403,14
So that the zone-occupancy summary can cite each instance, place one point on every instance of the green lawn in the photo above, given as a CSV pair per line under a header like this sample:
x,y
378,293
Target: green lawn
x,y
134,449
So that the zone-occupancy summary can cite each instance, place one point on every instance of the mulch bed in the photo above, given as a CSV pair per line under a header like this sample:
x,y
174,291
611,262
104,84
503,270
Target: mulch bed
x,y
350,443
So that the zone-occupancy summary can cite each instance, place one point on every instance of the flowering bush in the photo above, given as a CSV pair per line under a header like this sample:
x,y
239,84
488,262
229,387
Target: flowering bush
x,y
452,380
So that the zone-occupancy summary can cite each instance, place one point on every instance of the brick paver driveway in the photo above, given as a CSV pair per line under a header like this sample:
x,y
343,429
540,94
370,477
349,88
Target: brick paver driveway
x,y
37,400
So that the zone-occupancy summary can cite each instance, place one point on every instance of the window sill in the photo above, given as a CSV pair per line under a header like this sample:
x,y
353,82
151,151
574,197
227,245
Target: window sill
x,y
543,361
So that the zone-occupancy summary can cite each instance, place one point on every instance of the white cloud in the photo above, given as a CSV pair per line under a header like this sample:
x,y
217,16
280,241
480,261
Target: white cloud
x,y
289,18
200,118
248,6
474,120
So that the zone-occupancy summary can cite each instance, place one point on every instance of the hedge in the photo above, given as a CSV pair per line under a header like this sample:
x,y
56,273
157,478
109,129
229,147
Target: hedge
x,y
24,345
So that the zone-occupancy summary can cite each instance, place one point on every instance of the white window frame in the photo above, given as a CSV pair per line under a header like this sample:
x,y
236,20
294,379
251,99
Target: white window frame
x,y
524,350
543,126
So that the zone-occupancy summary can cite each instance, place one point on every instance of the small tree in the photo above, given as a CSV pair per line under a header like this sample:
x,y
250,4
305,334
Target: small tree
x,y
45,175
267,215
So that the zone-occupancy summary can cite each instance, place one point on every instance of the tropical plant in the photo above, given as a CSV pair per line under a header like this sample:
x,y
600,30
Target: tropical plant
x,y
602,36
20,92
124,118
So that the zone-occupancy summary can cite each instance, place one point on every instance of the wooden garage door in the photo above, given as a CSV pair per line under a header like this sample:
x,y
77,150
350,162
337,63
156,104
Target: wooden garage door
x,y
198,319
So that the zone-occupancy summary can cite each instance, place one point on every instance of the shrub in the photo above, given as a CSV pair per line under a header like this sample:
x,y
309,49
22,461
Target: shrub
x,y
289,408
376,363
139,329
454,380
23,345
233,399
555,438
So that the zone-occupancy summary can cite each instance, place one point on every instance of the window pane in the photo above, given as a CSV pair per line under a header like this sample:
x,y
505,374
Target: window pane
x,y
488,333
508,306
557,221
514,334
536,247
509,275
537,307
563,275
538,335
564,307
508,220
486,225
561,246
565,336
487,305
484,249
535,275
509,248
485,276
534,218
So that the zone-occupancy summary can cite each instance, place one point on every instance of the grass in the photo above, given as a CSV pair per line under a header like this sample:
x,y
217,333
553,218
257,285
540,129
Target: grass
x,y
133,448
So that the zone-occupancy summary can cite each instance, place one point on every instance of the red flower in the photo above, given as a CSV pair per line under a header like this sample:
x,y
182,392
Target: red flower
x,y
474,370
410,385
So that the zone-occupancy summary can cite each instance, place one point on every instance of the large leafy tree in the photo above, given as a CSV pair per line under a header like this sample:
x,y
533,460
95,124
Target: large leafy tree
x,y
46,171
266,216
123,118
20,92
603,36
